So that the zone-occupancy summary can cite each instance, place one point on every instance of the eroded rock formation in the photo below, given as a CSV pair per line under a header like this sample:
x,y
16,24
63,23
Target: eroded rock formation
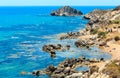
x,y
66,11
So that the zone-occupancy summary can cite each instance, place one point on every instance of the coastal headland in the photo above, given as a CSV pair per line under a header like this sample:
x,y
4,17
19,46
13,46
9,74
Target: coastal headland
x,y
103,31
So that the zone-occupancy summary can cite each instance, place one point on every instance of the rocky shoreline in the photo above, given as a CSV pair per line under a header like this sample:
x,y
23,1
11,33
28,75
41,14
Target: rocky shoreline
x,y
96,33
67,69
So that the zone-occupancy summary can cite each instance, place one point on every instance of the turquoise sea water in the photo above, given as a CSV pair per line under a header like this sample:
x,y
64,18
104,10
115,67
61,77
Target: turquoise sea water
x,y
23,32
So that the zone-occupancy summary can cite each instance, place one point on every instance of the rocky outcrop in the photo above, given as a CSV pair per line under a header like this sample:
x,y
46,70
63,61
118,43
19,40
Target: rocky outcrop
x,y
95,15
83,43
66,11
50,69
117,8
99,18
80,43
53,48
96,19
72,35
67,68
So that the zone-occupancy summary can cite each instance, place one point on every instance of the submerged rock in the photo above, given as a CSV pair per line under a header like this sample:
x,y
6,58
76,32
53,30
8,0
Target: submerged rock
x,y
68,47
38,73
23,72
66,11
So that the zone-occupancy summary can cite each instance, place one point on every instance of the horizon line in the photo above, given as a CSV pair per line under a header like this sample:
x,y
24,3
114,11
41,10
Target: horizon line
x,y
51,5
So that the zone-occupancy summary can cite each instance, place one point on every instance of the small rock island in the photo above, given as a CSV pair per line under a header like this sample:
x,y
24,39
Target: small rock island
x,y
66,11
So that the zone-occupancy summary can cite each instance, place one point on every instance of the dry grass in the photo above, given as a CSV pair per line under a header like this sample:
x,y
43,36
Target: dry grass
x,y
113,69
113,34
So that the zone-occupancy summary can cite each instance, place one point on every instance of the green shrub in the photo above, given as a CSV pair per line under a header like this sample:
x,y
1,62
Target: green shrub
x,y
101,34
117,38
115,21
94,31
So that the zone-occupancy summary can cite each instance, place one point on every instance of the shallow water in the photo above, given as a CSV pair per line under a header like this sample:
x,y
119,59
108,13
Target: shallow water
x,y
82,68
23,32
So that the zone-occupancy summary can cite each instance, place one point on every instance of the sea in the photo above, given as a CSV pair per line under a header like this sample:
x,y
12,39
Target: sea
x,y
25,29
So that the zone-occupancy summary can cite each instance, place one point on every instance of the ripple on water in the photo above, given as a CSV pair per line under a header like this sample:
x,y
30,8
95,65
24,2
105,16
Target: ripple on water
x,y
13,56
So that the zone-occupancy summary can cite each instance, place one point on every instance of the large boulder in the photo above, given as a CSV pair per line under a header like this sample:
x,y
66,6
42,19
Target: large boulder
x,y
66,11
50,69
82,43
58,70
67,70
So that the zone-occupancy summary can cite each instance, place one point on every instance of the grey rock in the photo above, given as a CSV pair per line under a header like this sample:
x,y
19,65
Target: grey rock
x,y
66,11
60,75
58,70
67,70
83,43
50,69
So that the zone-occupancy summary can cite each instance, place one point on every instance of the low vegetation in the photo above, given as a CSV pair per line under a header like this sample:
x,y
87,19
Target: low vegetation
x,y
102,34
113,69
94,31
115,21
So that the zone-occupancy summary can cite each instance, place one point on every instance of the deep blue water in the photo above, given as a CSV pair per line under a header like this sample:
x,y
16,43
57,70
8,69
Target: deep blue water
x,y
23,32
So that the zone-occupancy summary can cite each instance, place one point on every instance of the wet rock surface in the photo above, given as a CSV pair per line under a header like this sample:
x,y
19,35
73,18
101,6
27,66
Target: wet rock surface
x,y
83,43
67,68
66,11
53,48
